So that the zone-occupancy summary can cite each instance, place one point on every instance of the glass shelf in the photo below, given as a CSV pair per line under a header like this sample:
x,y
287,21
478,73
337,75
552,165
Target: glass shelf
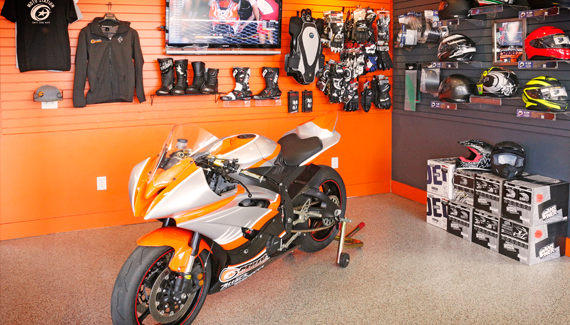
x,y
438,104
550,64
450,65
539,13
536,114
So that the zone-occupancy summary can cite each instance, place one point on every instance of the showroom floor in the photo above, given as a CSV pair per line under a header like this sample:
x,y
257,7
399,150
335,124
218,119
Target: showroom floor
x,y
408,272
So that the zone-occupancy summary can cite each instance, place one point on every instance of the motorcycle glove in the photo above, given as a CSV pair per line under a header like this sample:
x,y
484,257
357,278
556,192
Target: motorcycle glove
x,y
385,100
366,98
336,85
371,63
375,92
360,32
337,37
352,104
360,64
386,60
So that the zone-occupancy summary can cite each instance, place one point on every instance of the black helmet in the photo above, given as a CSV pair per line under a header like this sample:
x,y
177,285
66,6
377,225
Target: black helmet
x,y
480,157
450,9
545,94
507,159
501,82
456,47
456,88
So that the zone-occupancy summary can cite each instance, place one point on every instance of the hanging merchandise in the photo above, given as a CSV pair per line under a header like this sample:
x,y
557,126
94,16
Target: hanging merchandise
x,y
241,90
411,29
547,43
336,86
323,78
456,88
381,92
429,81
334,27
451,9
498,81
456,47
479,158
366,97
545,94
508,159
42,37
383,27
350,96
307,101
431,34
293,101
199,69
106,47
271,91
166,66
371,58
361,31
305,59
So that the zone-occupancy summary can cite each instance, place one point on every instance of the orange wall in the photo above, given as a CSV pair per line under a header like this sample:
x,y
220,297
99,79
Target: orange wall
x,y
50,159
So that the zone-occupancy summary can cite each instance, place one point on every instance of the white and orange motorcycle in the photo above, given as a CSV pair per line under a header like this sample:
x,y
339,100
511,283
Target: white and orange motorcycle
x,y
228,208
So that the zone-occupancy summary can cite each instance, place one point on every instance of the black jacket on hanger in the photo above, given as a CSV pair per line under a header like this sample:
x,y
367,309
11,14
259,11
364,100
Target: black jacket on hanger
x,y
105,53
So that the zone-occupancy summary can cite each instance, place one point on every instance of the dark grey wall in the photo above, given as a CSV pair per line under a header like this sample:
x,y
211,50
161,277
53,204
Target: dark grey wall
x,y
433,133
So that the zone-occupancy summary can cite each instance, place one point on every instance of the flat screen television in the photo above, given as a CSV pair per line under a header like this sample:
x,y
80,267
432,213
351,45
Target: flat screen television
x,y
223,26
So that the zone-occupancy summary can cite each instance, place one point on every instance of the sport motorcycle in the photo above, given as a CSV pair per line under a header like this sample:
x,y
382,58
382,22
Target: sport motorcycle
x,y
228,208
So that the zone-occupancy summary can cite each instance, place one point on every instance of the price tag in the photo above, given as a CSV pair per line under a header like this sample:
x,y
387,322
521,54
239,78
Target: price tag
x,y
538,65
539,13
449,22
533,114
443,65
443,105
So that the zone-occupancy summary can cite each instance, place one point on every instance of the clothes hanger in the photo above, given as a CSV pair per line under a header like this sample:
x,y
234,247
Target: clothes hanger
x,y
109,16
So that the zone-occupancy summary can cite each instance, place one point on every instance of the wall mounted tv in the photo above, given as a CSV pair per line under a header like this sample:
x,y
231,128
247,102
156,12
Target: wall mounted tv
x,y
223,27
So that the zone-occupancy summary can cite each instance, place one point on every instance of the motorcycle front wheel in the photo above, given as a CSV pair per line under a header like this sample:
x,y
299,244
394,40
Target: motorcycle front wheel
x,y
332,186
140,295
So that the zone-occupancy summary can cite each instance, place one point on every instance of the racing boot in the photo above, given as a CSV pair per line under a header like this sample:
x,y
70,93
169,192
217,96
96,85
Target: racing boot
x,y
211,84
241,91
199,76
271,90
167,75
181,67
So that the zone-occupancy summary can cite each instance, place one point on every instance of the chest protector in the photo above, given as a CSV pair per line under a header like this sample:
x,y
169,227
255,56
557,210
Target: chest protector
x,y
306,57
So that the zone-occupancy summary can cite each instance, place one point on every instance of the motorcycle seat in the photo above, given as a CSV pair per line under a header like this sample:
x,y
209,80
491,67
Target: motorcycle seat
x,y
295,150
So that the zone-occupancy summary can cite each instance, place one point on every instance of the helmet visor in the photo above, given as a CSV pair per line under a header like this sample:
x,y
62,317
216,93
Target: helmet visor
x,y
508,159
556,41
554,93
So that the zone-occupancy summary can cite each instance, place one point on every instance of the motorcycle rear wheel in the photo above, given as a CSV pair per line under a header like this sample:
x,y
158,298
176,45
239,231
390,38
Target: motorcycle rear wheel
x,y
131,293
332,186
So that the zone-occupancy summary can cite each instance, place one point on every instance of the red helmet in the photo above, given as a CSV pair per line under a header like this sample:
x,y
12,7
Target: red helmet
x,y
547,43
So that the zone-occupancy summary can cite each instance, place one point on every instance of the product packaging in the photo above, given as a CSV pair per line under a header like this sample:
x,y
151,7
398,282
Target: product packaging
x,y
459,220
437,210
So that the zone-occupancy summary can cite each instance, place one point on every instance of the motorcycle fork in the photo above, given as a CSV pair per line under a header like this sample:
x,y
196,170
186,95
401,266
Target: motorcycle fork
x,y
185,279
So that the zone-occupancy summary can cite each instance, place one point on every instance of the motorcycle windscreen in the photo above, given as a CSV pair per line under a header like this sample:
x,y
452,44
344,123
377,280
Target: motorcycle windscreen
x,y
184,142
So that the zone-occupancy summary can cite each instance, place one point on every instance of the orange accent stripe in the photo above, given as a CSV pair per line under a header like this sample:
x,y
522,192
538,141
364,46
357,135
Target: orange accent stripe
x,y
275,205
195,213
409,192
567,246
234,244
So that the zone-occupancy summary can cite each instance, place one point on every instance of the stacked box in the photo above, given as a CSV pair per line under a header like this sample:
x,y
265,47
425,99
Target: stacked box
x,y
488,187
437,210
464,186
459,220
533,200
532,245
485,230
440,176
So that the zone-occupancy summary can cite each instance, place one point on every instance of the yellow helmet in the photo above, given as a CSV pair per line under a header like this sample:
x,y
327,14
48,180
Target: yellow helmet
x,y
545,94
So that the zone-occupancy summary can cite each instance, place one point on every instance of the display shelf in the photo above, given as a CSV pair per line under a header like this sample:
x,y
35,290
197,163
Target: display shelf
x,y
456,22
550,64
237,103
438,104
181,95
450,65
266,102
489,100
492,10
539,13
535,114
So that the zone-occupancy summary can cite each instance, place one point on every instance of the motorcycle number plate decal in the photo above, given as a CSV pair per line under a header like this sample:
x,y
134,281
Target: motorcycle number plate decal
x,y
234,274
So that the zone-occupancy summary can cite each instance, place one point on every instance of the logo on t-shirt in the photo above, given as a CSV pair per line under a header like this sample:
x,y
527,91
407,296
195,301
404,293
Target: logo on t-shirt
x,y
93,41
41,9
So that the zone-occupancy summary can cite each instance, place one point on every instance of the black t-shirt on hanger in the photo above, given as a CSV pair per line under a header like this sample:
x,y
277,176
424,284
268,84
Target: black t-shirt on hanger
x,y
42,36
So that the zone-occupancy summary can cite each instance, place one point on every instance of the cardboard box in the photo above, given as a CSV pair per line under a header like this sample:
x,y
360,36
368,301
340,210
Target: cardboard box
x,y
440,176
459,220
488,187
485,230
464,186
532,245
535,200
437,210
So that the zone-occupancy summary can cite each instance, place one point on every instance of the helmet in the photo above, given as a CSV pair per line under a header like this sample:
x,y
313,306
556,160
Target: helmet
x,y
456,88
545,94
507,159
456,47
539,4
546,43
480,157
450,9
501,82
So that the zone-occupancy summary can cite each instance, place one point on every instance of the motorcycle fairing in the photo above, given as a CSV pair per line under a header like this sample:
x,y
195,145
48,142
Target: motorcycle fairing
x,y
250,149
134,183
305,58
176,238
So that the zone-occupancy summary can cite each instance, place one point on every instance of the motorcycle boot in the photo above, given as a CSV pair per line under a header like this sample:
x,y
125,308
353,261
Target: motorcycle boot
x,y
166,75
210,86
181,67
199,76
271,90
241,91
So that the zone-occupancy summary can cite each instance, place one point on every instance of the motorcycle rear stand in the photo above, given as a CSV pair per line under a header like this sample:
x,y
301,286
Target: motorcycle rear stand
x,y
343,259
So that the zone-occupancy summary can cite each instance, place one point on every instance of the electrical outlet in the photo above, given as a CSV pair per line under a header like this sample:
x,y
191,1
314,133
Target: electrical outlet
x,y
334,162
101,183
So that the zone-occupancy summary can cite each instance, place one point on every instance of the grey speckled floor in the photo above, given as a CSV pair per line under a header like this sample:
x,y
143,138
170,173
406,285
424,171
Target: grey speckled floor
x,y
408,272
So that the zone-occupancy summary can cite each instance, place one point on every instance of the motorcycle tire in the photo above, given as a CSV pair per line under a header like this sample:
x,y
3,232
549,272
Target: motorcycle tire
x,y
131,293
331,185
